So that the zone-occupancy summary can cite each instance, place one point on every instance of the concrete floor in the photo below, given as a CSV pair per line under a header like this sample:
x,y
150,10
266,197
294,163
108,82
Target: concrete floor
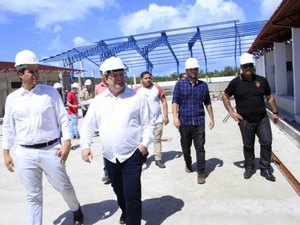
x,y
172,196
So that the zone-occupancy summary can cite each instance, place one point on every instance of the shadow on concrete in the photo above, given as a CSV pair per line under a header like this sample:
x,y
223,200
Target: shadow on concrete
x,y
240,164
92,213
157,210
211,164
166,156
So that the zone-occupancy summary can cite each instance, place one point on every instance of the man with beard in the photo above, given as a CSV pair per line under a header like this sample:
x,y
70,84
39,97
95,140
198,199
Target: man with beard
x,y
156,98
250,91
190,95
126,128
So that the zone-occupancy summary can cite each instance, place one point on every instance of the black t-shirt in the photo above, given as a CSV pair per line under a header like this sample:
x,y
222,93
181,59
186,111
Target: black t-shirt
x,y
249,96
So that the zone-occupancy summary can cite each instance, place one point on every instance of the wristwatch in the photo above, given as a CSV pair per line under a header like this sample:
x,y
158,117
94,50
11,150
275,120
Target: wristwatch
x,y
276,113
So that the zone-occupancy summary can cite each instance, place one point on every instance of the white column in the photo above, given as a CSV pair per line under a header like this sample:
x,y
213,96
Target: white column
x,y
280,69
296,71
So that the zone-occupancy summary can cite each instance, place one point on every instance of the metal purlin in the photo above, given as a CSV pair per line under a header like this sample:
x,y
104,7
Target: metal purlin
x,y
218,40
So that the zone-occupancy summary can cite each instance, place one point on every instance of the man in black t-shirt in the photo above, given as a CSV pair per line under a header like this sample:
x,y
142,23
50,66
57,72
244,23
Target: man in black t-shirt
x,y
249,91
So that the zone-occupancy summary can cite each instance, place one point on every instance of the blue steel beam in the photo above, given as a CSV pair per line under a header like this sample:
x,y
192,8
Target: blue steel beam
x,y
165,37
143,53
192,42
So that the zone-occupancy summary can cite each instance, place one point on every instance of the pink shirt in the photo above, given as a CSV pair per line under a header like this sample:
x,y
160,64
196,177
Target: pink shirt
x,y
99,88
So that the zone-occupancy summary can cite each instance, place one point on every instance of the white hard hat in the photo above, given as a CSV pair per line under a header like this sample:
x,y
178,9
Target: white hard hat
x,y
25,57
88,82
113,63
191,63
57,85
246,58
75,85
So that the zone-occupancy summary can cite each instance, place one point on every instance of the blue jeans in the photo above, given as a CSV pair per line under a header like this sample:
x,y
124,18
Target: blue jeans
x,y
264,133
189,133
74,125
125,179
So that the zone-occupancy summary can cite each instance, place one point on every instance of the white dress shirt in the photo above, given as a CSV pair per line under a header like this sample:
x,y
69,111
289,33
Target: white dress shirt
x,y
123,122
33,117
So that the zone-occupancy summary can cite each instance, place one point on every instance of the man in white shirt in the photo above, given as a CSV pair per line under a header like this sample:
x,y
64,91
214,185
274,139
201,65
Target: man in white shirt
x,y
85,95
126,129
34,117
157,100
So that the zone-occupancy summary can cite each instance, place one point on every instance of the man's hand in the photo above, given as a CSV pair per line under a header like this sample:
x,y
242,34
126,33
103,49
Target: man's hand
x,y
236,116
143,149
176,123
275,118
64,151
8,161
87,155
211,124
166,120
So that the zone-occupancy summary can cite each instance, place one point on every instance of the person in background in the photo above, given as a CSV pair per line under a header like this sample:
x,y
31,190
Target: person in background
x,y
59,88
34,117
182,76
66,96
123,148
159,110
102,85
72,103
250,91
190,95
85,95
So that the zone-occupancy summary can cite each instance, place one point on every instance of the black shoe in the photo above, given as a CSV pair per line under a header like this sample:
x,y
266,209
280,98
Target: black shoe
x,y
188,168
248,173
78,217
106,179
267,174
160,164
122,219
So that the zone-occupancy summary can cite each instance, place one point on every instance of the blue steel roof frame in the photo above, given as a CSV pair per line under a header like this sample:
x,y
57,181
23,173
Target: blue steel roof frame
x,y
206,42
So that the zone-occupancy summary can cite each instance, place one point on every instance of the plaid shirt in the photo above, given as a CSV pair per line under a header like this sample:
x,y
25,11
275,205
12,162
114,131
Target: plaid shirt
x,y
191,99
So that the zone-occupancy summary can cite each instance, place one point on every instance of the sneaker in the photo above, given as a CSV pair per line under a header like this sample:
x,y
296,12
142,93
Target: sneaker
x,y
78,217
160,164
248,173
201,178
122,219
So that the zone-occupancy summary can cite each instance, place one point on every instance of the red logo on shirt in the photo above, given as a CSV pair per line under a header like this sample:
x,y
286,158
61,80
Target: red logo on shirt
x,y
257,84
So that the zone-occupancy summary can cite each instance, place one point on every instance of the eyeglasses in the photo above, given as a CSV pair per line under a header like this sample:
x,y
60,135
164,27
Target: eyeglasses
x,y
245,66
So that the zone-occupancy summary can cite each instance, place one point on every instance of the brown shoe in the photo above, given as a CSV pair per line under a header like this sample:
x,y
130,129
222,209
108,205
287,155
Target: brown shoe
x,y
201,178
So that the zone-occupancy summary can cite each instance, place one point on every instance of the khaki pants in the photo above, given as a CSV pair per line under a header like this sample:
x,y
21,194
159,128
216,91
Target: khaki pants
x,y
157,140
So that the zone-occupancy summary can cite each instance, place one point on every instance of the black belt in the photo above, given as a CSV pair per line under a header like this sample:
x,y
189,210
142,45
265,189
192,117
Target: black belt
x,y
41,145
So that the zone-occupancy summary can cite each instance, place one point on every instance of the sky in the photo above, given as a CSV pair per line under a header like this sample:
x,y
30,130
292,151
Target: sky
x,y
50,27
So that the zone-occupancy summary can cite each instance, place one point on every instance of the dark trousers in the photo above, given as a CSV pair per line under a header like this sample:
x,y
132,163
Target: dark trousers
x,y
125,179
197,134
263,131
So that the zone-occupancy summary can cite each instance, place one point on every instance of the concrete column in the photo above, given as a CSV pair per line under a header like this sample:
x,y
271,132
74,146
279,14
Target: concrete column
x,y
296,71
280,69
